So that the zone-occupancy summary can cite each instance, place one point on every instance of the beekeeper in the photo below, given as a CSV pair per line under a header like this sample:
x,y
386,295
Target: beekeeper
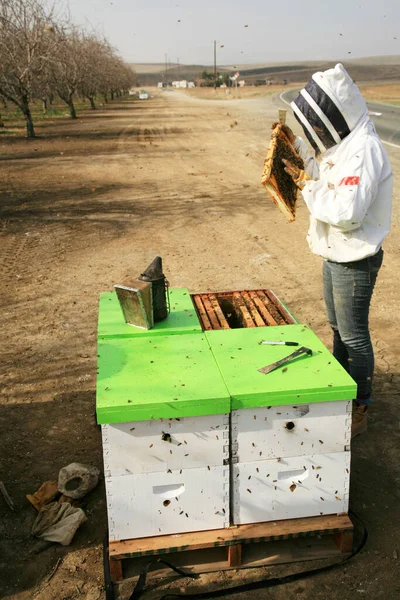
x,y
347,186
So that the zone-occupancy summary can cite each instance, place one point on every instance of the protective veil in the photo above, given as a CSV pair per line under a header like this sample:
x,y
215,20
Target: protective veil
x,y
350,196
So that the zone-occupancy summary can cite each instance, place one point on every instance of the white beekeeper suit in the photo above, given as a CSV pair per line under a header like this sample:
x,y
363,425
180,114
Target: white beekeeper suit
x,y
350,194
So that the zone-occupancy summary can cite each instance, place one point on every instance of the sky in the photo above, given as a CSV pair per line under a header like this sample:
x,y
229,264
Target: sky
x,y
247,31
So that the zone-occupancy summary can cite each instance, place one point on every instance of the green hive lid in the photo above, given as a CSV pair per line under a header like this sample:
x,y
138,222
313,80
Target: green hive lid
x,y
181,319
140,379
316,378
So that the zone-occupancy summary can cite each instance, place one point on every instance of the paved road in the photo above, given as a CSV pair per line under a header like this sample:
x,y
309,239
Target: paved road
x,y
385,117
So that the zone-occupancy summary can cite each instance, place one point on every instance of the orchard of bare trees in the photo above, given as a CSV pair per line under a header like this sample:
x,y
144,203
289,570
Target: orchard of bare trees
x,y
44,55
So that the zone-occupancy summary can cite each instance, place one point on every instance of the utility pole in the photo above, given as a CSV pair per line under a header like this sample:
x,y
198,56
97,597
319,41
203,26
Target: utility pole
x,y
215,62
166,66
179,73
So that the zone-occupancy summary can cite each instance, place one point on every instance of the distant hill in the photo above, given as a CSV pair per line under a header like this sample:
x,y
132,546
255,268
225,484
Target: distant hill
x,y
376,68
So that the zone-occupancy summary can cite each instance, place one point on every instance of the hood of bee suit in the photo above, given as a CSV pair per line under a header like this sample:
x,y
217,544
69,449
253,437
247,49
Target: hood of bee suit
x,y
329,108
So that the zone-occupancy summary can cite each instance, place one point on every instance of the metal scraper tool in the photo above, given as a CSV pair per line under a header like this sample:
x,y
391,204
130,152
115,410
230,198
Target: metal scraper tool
x,y
284,361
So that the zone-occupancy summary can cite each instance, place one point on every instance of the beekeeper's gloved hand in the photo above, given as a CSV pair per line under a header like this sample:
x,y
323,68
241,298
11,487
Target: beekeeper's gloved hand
x,y
298,175
287,131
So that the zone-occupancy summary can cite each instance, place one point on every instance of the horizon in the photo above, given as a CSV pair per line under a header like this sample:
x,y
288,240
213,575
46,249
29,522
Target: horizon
x,y
307,62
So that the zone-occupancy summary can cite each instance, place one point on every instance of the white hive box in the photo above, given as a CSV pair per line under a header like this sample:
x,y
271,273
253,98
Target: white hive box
x,y
166,476
284,431
290,488
151,504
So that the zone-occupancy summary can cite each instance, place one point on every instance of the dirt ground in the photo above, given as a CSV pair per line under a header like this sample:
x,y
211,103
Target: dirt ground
x,y
89,204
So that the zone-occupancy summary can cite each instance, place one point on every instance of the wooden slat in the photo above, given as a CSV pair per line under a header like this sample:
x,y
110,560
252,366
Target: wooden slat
x,y
217,309
269,319
283,311
115,570
246,534
235,555
279,320
202,313
344,541
241,306
251,305
210,312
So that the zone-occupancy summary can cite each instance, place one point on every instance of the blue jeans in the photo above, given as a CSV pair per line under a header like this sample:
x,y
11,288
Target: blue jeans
x,y
348,290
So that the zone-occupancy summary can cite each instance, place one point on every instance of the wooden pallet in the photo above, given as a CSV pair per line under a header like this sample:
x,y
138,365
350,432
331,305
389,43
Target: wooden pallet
x,y
242,546
246,308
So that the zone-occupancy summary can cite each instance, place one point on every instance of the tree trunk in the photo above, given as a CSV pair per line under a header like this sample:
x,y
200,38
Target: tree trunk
x,y
72,110
44,103
112,94
1,122
92,104
30,129
105,98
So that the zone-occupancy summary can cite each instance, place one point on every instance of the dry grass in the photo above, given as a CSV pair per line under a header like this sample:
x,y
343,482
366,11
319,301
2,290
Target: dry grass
x,y
387,92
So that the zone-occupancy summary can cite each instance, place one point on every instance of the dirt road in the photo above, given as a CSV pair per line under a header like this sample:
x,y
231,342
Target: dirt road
x,y
89,204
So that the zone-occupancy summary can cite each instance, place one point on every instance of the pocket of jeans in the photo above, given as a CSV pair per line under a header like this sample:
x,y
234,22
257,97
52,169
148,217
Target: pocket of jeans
x,y
375,262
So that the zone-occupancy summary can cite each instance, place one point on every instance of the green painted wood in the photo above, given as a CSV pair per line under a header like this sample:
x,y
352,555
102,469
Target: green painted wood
x,y
182,318
172,376
317,378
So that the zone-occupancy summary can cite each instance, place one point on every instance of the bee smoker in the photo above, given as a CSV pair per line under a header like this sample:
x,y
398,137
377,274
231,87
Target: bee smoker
x,y
159,285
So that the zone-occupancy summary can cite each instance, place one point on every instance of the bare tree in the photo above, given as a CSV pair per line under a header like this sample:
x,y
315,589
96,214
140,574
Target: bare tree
x,y
93,69
26,44
105,71
67,67
40,57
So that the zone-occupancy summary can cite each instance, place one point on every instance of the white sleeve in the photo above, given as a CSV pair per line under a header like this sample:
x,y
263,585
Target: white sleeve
x,y
310,162
344,200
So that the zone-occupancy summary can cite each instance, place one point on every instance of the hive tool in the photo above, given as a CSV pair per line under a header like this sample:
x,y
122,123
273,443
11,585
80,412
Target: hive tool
x,y
284,361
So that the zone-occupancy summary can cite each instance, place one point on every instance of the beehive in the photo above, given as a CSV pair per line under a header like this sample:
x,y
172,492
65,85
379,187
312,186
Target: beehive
x,y
290,429
196,438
